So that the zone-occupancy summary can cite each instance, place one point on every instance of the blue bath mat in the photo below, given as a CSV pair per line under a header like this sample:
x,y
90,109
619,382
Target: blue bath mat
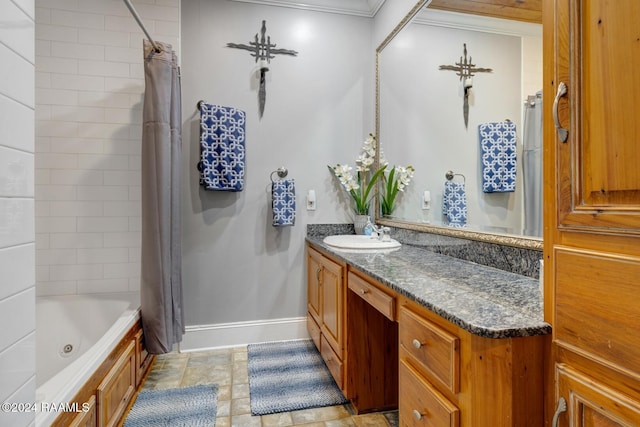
x,y
288,376
184,407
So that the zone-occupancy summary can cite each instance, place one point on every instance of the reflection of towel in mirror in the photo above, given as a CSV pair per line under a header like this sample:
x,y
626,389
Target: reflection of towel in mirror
x,y
283,197
454,205
222,148
498,156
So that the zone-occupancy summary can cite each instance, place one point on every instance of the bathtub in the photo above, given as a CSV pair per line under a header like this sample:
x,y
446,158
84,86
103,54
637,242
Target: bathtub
x,y
74,335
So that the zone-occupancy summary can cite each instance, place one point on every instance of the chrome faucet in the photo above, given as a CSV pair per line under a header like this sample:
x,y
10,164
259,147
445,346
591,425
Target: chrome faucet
x,y
382,232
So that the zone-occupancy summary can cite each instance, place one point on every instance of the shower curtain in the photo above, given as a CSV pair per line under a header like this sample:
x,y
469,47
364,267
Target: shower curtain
x,y
161,252
532,165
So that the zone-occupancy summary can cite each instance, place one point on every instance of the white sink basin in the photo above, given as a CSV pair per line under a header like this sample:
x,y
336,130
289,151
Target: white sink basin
x,y
358,241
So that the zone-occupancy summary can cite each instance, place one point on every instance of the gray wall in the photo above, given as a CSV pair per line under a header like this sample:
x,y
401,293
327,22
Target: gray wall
x,y
236,266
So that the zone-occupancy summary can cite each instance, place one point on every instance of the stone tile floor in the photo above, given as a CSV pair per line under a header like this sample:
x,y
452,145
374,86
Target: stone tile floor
x,y
228,369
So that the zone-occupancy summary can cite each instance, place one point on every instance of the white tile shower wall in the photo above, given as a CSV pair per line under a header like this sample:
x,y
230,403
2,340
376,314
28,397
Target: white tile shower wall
x,y
17,246
89,86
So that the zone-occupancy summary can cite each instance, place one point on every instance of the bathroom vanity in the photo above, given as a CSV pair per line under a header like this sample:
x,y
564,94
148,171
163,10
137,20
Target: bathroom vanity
x,y
447,341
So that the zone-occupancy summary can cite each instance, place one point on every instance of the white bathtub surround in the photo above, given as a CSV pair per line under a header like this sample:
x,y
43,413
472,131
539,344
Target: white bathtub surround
x,y
17,237
89,85
70,348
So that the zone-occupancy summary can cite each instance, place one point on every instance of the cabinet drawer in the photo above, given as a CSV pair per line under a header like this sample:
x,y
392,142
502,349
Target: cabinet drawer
x,y
332,360
382,302
436,350
314,330
117,388
421,404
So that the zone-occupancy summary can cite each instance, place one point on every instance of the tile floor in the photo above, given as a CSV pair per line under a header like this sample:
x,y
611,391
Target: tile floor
x,y
228,369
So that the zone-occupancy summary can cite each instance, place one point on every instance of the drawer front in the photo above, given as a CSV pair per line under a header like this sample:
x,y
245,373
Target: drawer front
x,y
117,388
421,404
314,330
382,302
332,360
436,350
596,314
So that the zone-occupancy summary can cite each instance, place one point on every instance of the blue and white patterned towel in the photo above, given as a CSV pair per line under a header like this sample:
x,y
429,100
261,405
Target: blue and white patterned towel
x,y
498,156
283,196
454,205
222,150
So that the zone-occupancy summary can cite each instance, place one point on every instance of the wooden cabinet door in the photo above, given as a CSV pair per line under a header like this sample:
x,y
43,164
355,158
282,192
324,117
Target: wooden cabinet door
x,y
598,165
591,404
592,203
314,278
332,304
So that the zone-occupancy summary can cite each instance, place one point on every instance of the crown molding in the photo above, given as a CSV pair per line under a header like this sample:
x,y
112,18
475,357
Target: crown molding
x,y
366,8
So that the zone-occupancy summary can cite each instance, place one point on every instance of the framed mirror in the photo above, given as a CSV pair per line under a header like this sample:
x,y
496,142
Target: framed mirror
x,y
420,117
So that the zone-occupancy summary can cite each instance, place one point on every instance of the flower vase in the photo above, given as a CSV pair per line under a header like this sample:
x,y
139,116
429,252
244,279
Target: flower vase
x,y
359,222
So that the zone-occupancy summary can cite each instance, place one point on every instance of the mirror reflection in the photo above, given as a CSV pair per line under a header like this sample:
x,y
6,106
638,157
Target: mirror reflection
x,y
421,119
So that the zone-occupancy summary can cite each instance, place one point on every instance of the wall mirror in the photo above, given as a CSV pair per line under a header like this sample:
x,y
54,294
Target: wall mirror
x,y
419,114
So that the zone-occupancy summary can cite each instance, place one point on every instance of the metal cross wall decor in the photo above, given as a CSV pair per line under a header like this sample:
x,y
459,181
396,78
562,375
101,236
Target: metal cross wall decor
x,y
262,50
466,70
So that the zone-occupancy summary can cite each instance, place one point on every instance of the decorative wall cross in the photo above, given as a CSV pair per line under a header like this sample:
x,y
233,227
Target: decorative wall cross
x,y
466,70
263,51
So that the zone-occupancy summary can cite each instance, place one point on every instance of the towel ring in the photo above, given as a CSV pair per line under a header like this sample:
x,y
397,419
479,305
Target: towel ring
x,y
449,175
281,171
199,104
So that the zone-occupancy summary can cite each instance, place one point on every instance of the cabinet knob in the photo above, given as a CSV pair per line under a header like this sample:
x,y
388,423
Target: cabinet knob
x,y
363,291
562,407
417,344
417,415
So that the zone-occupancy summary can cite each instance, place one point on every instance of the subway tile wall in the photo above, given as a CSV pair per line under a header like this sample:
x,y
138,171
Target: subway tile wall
x,y
17,235
89,85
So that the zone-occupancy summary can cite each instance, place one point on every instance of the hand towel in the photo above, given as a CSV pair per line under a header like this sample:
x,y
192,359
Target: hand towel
x,y
222,148
498,156
283,199
454,206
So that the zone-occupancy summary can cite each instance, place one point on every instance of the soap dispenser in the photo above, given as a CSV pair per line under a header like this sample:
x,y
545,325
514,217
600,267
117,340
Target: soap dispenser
x,y
368,228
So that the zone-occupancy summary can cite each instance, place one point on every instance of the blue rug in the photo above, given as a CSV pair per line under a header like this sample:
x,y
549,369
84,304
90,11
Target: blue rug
x,y
288,376
184,407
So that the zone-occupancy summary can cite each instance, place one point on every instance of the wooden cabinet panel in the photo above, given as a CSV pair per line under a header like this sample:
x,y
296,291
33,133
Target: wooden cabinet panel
x,y
314,331
422,404
591,404
597,306
434,349
381,301
332,289
334,363
115,392
88,417
314,278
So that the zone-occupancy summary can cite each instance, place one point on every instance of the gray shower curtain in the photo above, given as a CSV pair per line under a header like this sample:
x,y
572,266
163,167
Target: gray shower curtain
x,y
161,252
532,165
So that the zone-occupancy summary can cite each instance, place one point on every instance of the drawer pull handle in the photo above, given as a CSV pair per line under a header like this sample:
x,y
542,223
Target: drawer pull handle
x,y
417,344
318,271
562,407
363,291
417,415
563,133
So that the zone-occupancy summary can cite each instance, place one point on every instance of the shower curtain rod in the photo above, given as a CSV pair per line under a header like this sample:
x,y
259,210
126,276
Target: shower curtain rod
x,y
139,21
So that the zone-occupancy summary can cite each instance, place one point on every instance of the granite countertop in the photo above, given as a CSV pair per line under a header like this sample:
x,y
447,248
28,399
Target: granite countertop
x,y
483,300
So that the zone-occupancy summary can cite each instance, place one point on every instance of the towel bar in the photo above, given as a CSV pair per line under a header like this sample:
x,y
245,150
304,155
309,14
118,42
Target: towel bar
x,y
281,171
449,175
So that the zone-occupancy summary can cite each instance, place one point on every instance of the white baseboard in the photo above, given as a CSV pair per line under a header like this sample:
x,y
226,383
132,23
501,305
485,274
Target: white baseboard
x,y
203,337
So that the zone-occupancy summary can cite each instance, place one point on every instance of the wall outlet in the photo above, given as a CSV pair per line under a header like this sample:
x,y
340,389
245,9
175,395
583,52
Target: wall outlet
x,y
426,200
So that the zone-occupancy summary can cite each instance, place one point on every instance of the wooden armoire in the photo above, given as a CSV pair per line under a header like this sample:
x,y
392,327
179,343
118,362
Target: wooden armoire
x,y
592,211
